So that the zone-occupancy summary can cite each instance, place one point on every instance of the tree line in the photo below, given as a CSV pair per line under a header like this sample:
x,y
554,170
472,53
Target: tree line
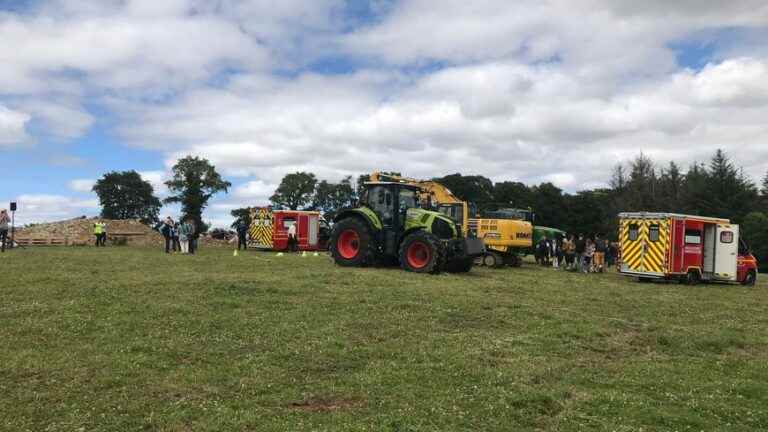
x,y
716,188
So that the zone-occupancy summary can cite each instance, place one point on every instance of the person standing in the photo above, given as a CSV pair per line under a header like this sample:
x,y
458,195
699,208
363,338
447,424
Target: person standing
x,y
175,237
580,248
599,258
293,243
98,229
568,250
4,219
166,229
185,230
103,233
242,234
589,253
193,236
557,262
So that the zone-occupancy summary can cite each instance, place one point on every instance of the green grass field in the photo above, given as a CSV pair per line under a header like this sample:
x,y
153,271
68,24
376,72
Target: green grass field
x,y
131,339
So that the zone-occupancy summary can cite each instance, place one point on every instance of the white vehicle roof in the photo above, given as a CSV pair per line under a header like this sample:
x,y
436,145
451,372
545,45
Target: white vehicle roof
x,y
657,215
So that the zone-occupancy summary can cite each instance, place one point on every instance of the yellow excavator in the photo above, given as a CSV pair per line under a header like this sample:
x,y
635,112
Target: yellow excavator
x,y
504,239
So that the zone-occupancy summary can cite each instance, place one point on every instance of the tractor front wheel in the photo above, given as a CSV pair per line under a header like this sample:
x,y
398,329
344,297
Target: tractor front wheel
x,y
422,252
351,244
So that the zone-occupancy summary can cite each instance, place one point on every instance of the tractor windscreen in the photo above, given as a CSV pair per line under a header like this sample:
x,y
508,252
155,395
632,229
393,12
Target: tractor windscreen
x,y
408,199
453,211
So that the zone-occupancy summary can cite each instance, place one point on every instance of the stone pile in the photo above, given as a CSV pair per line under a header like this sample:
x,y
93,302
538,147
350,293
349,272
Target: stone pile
x,y
80,232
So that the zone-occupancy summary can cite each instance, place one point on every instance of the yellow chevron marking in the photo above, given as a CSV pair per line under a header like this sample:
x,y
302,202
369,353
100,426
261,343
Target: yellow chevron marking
x,y
261,228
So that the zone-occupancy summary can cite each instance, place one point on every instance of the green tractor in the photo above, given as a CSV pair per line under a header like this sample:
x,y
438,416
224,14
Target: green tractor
x,y
389,226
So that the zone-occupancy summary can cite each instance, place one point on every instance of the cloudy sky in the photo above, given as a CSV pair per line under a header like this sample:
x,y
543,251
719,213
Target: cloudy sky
x,y
532,91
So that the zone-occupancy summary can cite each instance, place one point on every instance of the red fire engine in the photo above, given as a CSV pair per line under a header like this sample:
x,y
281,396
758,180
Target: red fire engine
x,y
269,229
683,247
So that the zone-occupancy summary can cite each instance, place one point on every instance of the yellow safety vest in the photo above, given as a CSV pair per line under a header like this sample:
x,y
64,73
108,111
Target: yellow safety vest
x,y
98,228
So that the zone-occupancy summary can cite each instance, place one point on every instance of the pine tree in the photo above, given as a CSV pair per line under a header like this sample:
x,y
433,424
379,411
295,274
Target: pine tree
x,y
670,185
729,192
764,189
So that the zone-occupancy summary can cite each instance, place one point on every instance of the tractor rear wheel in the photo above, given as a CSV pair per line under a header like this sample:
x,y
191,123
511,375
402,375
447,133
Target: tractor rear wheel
x,y
460,265
351,244
422,252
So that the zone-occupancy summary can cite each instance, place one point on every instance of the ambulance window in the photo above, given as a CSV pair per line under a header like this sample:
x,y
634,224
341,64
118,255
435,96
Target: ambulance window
x,y
634,232
287,222
653,233
692,237
726,237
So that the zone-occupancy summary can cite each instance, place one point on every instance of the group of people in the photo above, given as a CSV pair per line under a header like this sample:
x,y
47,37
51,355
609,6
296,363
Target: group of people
x,y
179,236
576,253
4,221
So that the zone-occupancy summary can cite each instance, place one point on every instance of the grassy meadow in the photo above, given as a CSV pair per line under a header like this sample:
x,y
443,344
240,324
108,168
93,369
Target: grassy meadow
x,y
123,339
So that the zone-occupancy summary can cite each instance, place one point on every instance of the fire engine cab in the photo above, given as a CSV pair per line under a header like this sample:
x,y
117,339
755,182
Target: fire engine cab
x,y
683,247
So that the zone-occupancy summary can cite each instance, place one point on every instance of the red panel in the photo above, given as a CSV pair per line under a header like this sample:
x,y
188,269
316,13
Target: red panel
x,y
677,245
280,234
693,254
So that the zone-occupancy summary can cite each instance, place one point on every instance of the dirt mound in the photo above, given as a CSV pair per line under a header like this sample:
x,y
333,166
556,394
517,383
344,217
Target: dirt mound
x,y
80,232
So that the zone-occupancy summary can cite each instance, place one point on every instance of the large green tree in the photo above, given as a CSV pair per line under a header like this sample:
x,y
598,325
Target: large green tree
x,y
764,193
756,235
729,193
125,195
475,189
241,214
193,184
295,191
329,198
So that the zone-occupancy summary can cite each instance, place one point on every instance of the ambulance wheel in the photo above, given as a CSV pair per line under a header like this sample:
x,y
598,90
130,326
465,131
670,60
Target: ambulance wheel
x,y
422,252
749,279
351,244
692,278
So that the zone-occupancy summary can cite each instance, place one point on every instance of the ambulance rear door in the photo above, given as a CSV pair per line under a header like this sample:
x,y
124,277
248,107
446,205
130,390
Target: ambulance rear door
x,y
726,252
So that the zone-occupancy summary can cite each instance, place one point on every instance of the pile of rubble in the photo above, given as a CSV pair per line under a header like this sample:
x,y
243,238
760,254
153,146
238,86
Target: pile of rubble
x,y
79,231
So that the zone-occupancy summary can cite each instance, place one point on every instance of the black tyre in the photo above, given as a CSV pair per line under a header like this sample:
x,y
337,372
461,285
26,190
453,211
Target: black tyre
x,y
460,265
749,279
422,252
492,259
351,243
692,278
513,260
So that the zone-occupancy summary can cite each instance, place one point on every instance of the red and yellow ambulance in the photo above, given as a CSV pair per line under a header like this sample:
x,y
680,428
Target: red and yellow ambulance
x,y
269,229
683,247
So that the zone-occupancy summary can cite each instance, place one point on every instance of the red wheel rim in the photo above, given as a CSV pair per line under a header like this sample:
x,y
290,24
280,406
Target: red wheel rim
x,y
348,244
418,255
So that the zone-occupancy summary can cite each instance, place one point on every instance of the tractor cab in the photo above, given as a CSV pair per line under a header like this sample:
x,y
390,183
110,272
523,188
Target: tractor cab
x,y
390,201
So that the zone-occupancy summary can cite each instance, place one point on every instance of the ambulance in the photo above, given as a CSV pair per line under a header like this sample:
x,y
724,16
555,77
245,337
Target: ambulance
x,y
690,249
269,229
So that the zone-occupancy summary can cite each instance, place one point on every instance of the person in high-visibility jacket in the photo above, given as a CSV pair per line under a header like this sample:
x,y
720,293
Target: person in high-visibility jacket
x,y
99,231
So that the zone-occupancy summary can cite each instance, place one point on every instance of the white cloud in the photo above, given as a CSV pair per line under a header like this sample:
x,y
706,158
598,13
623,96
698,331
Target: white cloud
x,y
48,208
12,126
532,91
82,185
157,179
